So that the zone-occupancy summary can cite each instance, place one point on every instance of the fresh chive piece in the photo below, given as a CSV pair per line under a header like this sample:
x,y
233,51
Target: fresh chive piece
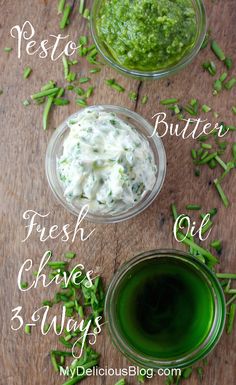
x,y
200,373
89,92
217,50
206,227
166,102
231,318
48,92
234,150
81,102
60,92
230,83
193,207
226,275
232,299
61,6
223,76
216,245
51,84
24,285
112,83
206,146
205,253
210,67
206,108
221,193
121,382
27,329
79,91
212,164
86,14
187,373
7,49
234,110
228,63
65,16
190,110
174,211
217,85
26,73
213,212
221,162
208,158
61,102
133,96
84,80
95,70
144,99
65,66
194,154
81,7
26,102
46,111
54,361
205,41
56,264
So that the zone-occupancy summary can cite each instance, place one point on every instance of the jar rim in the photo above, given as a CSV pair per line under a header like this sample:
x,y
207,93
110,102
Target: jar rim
x,y
202,350
158,74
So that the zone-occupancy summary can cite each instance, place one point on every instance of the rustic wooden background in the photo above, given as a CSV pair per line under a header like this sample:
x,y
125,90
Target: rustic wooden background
x,y
25,359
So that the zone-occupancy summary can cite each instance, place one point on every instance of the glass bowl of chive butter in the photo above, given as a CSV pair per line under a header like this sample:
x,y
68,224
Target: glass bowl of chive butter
x,y
165,309
148,39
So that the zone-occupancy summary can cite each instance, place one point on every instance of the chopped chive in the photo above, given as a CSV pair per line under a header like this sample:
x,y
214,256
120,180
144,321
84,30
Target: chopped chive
x,y
217,85
206,227
234,110
228,62
56,264
221,193
213,212
84,80
234,150
51,84
24,285
26,73
221,162
133,96
121,382
80,91
81,102
200,373
70,255
7,49
61,6
112,83
216,245
86,13
232,299
48,92
95,70
212,164
144,99
46,111
166,102
65,66
61,102
60,92
206,108
208,158
231,318
230,83
54,361
193,154
71,77
174,211
27,329
65,16
190,110
217,50
205,41
89,92
210,67
187,373
26,102
81,7
206,146
226,275
223,76
193,207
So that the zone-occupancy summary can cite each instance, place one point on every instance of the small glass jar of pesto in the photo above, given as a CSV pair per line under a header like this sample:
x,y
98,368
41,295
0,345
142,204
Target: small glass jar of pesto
x,y
165,309
148,39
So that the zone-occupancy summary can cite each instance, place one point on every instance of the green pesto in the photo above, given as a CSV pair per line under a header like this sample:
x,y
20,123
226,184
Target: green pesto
x,y
147,34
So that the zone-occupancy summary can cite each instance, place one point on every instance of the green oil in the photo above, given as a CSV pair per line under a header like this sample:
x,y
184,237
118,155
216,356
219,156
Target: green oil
x,y
164,308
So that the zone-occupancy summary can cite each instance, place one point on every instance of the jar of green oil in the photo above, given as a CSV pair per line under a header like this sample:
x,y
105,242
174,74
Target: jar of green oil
x,y
165,309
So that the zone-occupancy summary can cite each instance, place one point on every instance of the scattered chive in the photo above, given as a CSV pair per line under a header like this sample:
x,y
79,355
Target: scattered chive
x,y
223,76
144,99
65,66
208,158
117,87
232,299
46,111
86,13
221,193
48,92
231,318
217,50
61,6
51,84
210,67
89,92
187,373
120,382
24,285
70,255
27,329
174,211
95,70
228,62
81,7
65,16
234,150
221,162
194,154
230,84
217,85
216,245
84,80
226,275
206,108
212,164
8,49
200,373
26,73
133,96
166,102
206,146
193,207
61,102
234,110
81,102
54,361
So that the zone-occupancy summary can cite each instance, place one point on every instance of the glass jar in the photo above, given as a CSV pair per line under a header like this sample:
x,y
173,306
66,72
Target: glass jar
x,y
201,25
120,311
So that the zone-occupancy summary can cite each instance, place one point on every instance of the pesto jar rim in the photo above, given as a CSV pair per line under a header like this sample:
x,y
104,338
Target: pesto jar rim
x,y
191,358
201,24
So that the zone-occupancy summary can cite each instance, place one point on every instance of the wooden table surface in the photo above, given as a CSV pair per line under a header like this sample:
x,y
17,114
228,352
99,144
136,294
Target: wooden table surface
x,y
25,359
